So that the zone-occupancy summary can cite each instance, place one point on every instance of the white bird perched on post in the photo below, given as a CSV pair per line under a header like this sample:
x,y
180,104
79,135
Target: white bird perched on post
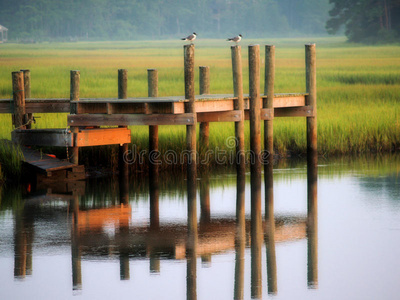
x,y
190,38
235,39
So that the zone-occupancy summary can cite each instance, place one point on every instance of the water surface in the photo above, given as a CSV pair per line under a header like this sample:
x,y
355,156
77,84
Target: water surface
x,y
149,240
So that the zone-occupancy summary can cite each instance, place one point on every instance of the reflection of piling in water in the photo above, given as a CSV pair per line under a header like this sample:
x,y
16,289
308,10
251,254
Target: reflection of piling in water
x,y
312,226
20,246
75,247
124,189
205,215
154,198
240,240
192,241
270,231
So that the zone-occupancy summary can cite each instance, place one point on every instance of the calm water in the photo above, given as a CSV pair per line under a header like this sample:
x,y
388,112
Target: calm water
x,y
57,244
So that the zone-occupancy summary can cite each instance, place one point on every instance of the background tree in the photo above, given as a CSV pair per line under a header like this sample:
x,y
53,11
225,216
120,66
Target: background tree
x,y
366,20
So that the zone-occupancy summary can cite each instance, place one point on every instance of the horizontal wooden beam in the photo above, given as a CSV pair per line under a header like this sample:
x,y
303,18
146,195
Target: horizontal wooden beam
x,y
130,119
103,136
223,116
304,111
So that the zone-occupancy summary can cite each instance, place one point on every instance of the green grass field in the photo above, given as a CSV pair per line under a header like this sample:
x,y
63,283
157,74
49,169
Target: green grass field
x,y
358,86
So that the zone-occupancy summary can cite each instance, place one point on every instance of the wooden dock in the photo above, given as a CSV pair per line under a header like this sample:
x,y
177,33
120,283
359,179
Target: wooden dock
x,y
87,115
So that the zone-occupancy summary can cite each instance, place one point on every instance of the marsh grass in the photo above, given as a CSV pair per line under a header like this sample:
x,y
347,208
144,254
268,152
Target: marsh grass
x,y
358,88
11,161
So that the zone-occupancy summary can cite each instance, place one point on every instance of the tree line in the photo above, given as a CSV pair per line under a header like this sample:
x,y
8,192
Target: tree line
x,y
367,21
152,19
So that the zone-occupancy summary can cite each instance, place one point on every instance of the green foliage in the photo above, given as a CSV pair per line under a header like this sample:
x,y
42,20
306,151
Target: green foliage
x,y
367,21
66,20
10,161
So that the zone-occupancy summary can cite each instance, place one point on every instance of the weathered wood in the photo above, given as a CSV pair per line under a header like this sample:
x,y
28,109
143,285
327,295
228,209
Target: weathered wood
x,y
191,109
267,114
269,101
223,116
152,82
105,136
39,161
74,96
43,137
204,131
19,99
311,89
303,111
204,80
174,104
255,107
27,89
122,84
123,148
129,119
238,105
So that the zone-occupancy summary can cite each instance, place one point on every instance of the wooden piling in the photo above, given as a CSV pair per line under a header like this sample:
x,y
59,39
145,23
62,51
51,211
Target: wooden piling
x,y
192,239
204,131
19,99
27,89
152,81
268,170
254,95
190,108
238,105
269,101
74,96
123,94
255,167
311,100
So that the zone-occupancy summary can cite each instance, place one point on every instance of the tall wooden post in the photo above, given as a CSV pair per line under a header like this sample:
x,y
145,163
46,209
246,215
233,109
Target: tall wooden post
x,y
19,99
123,94
269,102
239,105
27,89
204,126
192,238
152,81
255,147
255,108
190,108
311,89
74,96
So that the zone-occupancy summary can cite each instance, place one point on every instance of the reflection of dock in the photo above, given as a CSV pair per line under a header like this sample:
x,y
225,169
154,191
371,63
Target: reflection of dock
x,y
169,241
